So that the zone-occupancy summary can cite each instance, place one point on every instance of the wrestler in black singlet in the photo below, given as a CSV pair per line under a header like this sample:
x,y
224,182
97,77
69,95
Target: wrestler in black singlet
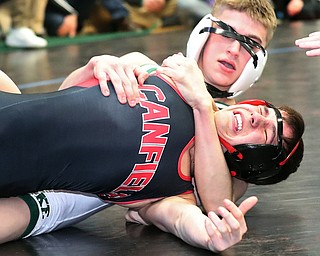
x,y
79,140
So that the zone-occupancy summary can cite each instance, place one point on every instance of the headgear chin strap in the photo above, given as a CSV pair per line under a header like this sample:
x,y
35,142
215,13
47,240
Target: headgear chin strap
x,y
254,67
256,163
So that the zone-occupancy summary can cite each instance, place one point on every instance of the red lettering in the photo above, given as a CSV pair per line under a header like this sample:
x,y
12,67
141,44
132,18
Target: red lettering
x,y
151,151
154,111
155,133
152,144
113,195
145,167
138,179
152,88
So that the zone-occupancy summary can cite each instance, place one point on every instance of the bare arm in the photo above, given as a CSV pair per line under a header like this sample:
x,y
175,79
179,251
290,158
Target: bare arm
x,y
179,216
14,212
212,176
7,85
15,217
125,74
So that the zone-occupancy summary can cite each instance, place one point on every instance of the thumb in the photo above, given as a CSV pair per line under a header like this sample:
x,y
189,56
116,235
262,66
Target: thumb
x,y
248,204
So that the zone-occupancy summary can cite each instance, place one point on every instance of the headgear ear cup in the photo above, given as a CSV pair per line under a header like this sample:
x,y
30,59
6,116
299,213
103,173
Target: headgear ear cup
x,y
249,75
196,40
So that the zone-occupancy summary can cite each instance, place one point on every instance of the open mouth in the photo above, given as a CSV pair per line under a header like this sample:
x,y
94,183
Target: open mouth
x,y
238,123
228,65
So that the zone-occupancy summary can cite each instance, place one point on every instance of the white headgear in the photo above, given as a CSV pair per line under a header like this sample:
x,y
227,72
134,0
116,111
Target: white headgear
x,y
250,73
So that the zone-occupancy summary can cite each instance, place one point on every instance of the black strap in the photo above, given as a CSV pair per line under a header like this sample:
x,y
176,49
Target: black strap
x,y
216,93
227,31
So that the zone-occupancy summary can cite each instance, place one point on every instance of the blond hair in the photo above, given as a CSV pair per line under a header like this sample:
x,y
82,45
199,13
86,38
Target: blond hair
x,y
261,11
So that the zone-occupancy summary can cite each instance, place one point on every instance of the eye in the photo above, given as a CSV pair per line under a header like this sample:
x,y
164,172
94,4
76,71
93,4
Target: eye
x,y
255,49
264,111
260,110
266,136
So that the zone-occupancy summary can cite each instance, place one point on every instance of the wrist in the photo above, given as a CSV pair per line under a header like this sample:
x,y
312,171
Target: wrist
x,y
88,69
205,105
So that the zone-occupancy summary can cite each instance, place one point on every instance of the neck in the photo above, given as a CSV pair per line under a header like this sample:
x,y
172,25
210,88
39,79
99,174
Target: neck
x,y
216,93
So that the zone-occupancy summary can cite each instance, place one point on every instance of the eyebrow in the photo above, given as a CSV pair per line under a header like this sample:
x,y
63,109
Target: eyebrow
x,y
274,132
255,37
274,129
252,36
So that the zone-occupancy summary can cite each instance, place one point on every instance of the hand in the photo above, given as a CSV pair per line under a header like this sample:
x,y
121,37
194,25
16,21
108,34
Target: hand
x,y
124,77
294,7
312,42
69,26
188,78
154,6
229,230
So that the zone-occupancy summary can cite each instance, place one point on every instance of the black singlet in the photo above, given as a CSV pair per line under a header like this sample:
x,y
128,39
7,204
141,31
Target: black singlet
x,y
79,140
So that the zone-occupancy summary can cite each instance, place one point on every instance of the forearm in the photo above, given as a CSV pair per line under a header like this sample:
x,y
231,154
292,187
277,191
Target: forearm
x,y
80,75
212,175
15,216
191,227
184,220
7,85
101,67
137,58
180,216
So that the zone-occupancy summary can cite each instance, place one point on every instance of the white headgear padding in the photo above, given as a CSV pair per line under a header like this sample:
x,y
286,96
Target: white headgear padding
x,y
250,73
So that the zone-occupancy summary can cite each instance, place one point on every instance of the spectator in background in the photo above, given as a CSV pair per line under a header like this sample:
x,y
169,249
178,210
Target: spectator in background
x,y
148,14
68,17
22,22
192,11
297,9
104,19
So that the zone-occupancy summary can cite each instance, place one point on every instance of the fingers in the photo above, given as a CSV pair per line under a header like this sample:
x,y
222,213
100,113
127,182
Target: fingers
x,y
175,60
235,218
229,229
72,32
141,76
102,78
125,85
248,204
312,42
223,232
226,224
177,67
315,34
122,76
313,53
212,230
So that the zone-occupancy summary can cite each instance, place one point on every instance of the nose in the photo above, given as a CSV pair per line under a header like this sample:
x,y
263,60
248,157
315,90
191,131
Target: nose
x,y
234,47
258,120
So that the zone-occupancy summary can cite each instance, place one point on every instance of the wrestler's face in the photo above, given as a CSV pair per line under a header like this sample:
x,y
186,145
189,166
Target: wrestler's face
x,y
244,123
223,59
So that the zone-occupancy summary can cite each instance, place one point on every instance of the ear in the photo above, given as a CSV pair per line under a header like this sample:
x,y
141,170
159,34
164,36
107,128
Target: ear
x,y
196,39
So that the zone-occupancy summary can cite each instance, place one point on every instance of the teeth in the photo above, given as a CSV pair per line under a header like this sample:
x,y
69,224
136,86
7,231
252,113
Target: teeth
x,y
239,122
